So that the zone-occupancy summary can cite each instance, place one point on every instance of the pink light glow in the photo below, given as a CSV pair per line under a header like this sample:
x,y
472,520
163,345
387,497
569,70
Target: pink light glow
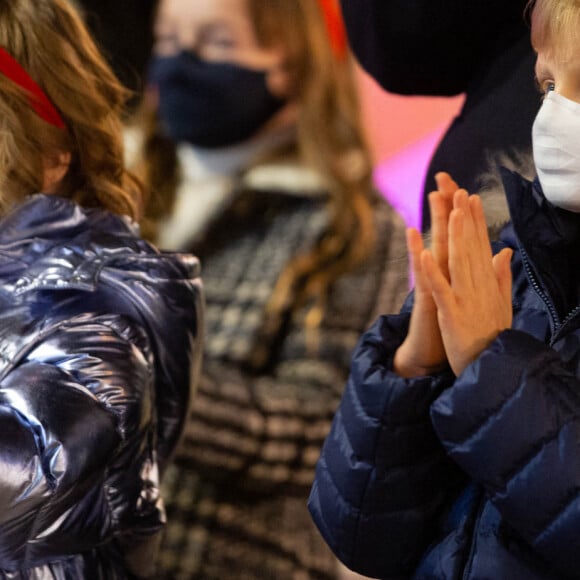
x,y
400,177
403,131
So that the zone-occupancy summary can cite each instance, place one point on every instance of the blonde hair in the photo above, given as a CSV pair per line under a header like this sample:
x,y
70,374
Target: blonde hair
x,y
556,27
330,139
49,40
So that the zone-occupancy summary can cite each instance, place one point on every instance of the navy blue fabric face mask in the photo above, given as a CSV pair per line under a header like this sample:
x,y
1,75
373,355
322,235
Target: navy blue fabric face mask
x,y
210,104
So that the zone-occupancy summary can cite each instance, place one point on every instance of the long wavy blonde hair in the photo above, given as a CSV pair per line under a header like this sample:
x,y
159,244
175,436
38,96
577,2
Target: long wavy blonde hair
x,y
330,140
50,41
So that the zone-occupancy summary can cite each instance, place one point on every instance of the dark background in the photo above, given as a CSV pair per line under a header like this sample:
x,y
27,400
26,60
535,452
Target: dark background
x,y
123,30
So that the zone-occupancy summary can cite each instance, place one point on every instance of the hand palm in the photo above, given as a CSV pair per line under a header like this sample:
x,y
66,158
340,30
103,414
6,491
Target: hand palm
x,y
474,304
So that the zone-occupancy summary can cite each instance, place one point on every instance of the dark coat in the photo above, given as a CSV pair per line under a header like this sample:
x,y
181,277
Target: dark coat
x,y
238,489
474,477
449,47
99,342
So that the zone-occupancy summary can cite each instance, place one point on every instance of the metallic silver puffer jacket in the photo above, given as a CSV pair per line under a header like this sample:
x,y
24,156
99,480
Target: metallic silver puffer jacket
x,y
100,344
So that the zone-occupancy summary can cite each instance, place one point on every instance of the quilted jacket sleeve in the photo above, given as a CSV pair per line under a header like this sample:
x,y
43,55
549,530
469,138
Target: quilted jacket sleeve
x,y
512,422
76,463
381,478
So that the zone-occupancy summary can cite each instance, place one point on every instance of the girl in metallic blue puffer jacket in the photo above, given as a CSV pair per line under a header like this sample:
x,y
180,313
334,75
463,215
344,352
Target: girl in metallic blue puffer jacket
x,y
455,452
99,332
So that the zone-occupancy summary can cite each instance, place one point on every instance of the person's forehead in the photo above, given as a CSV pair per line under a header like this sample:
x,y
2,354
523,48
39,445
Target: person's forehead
x,y
199,11
189,20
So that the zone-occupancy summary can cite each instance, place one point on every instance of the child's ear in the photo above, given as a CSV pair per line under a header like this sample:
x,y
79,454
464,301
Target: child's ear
x,y
55,168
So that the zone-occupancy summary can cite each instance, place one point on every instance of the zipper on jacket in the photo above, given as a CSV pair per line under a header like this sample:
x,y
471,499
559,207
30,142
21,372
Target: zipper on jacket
x,y
559,327
565,323
544,297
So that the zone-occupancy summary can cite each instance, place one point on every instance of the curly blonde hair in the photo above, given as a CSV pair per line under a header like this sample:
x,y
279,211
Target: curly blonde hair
x,y
50,41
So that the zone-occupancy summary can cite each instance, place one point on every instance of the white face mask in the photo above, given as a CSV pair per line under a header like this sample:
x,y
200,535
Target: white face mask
x,y
556,144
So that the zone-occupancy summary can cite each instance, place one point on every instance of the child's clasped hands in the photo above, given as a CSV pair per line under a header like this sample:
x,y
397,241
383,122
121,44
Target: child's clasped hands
x,y
463,293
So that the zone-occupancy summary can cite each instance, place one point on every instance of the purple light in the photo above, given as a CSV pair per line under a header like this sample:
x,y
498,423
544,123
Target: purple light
x,y
401,176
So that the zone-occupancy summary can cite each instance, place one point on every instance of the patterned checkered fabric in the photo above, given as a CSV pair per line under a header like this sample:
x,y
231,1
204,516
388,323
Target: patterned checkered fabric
x,y
236,496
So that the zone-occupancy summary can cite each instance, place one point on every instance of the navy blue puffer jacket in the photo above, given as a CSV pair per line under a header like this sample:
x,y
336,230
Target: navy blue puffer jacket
x,y
476,476
100,341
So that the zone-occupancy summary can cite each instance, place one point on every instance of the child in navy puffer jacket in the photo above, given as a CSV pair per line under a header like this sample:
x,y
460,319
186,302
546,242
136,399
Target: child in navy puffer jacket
x,y
455,451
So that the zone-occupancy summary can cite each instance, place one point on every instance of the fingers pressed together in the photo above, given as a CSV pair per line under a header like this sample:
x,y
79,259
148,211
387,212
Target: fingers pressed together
x,y
470,288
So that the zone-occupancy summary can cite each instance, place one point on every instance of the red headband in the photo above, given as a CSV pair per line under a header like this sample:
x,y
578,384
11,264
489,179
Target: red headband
x,y
335,26
12,70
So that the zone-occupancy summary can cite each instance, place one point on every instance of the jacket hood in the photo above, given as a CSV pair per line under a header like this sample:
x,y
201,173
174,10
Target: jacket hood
x,y
74,260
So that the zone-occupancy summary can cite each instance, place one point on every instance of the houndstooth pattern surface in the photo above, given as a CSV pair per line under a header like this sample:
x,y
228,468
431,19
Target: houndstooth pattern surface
x,y
237,493
239,276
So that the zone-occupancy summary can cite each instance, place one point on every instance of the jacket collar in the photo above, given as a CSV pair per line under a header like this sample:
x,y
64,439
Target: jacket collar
x,y
51,242
54,218
48,242
549,238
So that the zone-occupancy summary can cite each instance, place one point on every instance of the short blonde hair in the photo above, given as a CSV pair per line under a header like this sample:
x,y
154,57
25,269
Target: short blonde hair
x,y
556,27
50,41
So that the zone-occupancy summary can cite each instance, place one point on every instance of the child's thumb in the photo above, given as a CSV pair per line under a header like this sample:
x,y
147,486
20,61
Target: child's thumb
x,y
503,273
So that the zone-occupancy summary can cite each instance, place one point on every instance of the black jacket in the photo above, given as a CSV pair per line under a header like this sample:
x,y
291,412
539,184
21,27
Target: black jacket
x,y
448,47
